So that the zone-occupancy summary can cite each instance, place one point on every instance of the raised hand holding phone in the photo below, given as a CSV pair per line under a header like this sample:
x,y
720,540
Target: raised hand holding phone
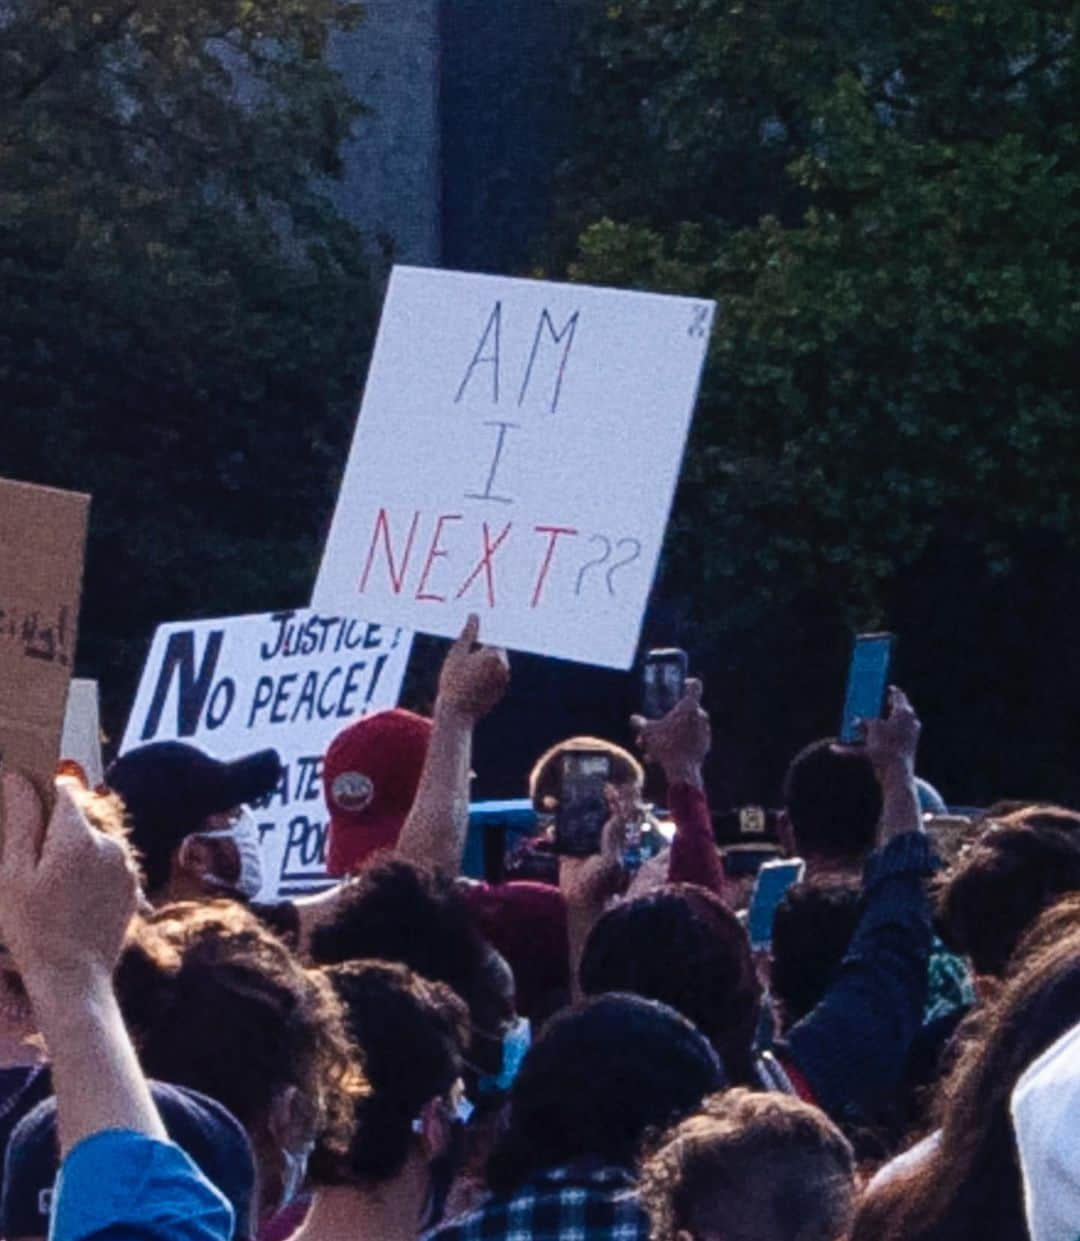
x,y
891,746
680,742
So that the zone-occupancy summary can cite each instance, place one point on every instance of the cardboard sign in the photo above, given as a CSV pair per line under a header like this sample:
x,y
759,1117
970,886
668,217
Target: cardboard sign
x,y
288,681
42,544
516,454
81,737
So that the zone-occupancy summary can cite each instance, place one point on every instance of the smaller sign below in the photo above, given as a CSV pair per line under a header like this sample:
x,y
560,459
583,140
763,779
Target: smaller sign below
x,y
288,681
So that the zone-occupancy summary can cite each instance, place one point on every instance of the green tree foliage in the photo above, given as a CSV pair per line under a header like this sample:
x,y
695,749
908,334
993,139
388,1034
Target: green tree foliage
x,y
185,315
885,199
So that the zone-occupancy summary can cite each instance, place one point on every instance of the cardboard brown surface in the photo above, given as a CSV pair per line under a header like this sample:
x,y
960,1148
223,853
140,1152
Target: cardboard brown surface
x,y
42,546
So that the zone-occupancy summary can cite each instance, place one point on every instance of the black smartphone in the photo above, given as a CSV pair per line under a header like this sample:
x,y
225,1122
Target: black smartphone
x,y
744,861
664,682
867,683
583,807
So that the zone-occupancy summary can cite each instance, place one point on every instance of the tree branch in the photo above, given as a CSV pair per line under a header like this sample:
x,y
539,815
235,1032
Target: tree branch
x,y
102,34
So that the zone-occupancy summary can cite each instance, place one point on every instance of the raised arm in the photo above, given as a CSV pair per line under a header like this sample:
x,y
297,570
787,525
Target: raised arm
x,y
679,744
854,1045
67,894
473,680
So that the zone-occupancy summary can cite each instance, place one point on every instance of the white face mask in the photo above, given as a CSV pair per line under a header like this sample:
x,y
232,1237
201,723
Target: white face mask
x,y
244,833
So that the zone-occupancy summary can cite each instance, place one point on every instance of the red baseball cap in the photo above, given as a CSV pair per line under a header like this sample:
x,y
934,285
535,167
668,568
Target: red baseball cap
x,y
370,777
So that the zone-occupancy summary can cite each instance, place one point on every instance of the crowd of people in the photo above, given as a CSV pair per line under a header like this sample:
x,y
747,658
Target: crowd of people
x,y
598,1054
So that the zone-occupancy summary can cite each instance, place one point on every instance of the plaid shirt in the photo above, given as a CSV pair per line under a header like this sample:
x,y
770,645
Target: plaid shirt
x,y
575,1203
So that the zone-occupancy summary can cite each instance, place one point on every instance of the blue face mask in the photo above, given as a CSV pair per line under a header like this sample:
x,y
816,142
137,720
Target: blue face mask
x,y
515,1044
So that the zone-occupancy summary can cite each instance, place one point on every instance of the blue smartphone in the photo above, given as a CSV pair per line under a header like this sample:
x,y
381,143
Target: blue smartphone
x,y
868,680
773,880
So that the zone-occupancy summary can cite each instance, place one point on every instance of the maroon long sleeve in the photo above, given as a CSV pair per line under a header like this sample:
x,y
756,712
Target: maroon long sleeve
x,y
694,856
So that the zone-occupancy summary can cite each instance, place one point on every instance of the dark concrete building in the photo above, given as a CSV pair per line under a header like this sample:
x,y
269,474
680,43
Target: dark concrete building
x,y
468,105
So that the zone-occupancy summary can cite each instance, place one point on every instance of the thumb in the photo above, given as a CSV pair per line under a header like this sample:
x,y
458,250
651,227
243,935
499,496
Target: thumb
x,y
693,691
637,723
68,827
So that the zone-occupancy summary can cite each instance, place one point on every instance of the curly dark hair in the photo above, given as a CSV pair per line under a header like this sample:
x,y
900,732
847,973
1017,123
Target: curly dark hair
x,y
814,925
833,802
599,1078
681,945
217,1003
972,1190
751,1164
1019,865
394,910
411,1035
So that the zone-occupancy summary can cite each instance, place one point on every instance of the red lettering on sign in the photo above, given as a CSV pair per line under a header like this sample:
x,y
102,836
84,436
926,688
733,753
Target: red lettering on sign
x,y
554,532
397,577
435,552
484,565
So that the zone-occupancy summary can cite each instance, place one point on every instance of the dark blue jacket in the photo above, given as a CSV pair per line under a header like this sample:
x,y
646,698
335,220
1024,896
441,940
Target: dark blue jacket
x,y
853,1048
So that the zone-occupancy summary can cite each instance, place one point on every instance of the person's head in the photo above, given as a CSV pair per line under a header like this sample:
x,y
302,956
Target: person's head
x,y
545,779
972,1188
681,945
832,804
751,1167
395,911
1018,866
371,773
217,1003
412,1035
204,1130
812,929
189,818
597,1080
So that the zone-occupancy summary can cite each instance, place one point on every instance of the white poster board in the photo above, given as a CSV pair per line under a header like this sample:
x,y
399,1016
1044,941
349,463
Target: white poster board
x,y
516,455
288,681
81,738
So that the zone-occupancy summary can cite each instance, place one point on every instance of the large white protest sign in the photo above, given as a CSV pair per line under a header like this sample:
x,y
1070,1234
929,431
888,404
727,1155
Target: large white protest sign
x,y
516,454
285,680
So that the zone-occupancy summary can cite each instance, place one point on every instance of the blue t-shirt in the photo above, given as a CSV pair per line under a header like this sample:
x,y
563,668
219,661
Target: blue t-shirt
x,y
125,1186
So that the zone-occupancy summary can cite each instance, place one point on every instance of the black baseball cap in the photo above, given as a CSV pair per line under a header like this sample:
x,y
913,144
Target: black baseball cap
x,y
170,789
207,1132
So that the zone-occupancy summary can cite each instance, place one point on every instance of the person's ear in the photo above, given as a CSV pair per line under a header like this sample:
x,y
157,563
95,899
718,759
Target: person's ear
x,y
195,857
785,834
